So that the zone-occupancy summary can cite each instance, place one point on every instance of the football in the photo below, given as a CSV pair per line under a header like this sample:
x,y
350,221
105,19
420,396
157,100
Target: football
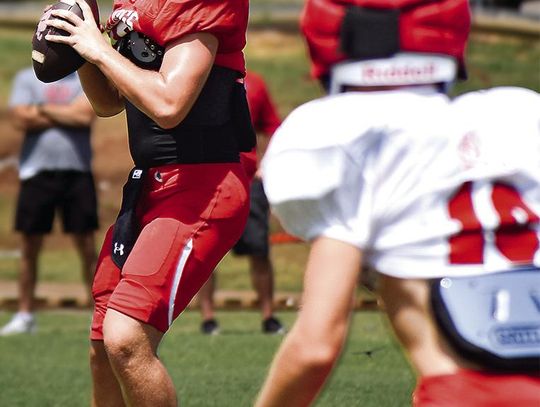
x,y
52,61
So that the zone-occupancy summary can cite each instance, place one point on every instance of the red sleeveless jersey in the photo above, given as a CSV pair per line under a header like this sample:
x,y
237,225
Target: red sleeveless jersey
x,y
167,20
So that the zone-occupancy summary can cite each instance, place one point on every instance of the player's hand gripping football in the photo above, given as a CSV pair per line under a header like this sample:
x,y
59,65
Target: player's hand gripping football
x,y
85,35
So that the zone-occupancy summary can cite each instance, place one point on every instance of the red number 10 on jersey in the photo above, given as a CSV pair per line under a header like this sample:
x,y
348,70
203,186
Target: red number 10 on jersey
x,y
514,236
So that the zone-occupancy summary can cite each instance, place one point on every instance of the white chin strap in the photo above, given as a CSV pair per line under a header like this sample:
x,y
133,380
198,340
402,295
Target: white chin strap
x,y
403,69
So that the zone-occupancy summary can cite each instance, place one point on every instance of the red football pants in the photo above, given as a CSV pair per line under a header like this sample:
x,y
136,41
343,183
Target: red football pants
x,y
469,388
190,216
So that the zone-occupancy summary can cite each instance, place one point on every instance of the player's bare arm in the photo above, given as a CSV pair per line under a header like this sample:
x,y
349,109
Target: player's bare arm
x,y
101,92
314,344
79,113
165,96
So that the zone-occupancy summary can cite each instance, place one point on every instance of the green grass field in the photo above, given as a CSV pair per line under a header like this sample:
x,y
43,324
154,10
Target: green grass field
x,y
50,368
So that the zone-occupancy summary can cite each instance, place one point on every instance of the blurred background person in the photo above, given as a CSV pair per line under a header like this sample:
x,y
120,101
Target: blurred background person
x,y
55,176
441,196
254,242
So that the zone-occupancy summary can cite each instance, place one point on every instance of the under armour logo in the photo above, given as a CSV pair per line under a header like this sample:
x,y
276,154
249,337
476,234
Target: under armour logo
x,y
137,174
118,248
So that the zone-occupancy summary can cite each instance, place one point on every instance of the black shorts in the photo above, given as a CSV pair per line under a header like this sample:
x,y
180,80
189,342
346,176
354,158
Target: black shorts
x,y
72,193
254,240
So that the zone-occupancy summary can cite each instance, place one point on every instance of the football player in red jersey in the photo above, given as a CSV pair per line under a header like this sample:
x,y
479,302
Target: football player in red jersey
x,y
440,196
177,68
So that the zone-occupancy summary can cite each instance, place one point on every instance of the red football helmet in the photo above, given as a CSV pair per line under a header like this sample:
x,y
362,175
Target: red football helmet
x,y
374,30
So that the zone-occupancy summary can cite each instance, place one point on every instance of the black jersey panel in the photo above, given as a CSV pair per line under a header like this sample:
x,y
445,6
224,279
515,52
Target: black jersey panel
x,y
211,132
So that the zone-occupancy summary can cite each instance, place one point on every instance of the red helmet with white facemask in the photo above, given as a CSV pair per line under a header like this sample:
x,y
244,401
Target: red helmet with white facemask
x,y
386,42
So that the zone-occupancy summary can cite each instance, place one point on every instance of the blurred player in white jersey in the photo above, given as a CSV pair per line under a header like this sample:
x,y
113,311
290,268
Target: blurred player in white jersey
x,y
442,197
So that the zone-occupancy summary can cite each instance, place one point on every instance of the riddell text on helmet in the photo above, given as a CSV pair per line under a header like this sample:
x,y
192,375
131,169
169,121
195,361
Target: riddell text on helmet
x,y
399,73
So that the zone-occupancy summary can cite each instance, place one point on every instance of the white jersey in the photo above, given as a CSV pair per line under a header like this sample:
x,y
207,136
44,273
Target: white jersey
x,y
424,185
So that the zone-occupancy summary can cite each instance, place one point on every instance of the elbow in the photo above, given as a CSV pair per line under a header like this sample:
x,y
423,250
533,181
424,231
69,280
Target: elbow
x,y
168,118
166,123
107,111
168,113
104,113
319,358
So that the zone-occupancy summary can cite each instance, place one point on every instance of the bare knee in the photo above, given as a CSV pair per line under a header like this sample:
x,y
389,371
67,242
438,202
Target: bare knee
x,y
318,353
127,341
119,338
121,348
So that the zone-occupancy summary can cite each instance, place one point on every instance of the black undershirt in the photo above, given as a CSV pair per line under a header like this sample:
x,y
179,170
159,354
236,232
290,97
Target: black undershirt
x,y
209,133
